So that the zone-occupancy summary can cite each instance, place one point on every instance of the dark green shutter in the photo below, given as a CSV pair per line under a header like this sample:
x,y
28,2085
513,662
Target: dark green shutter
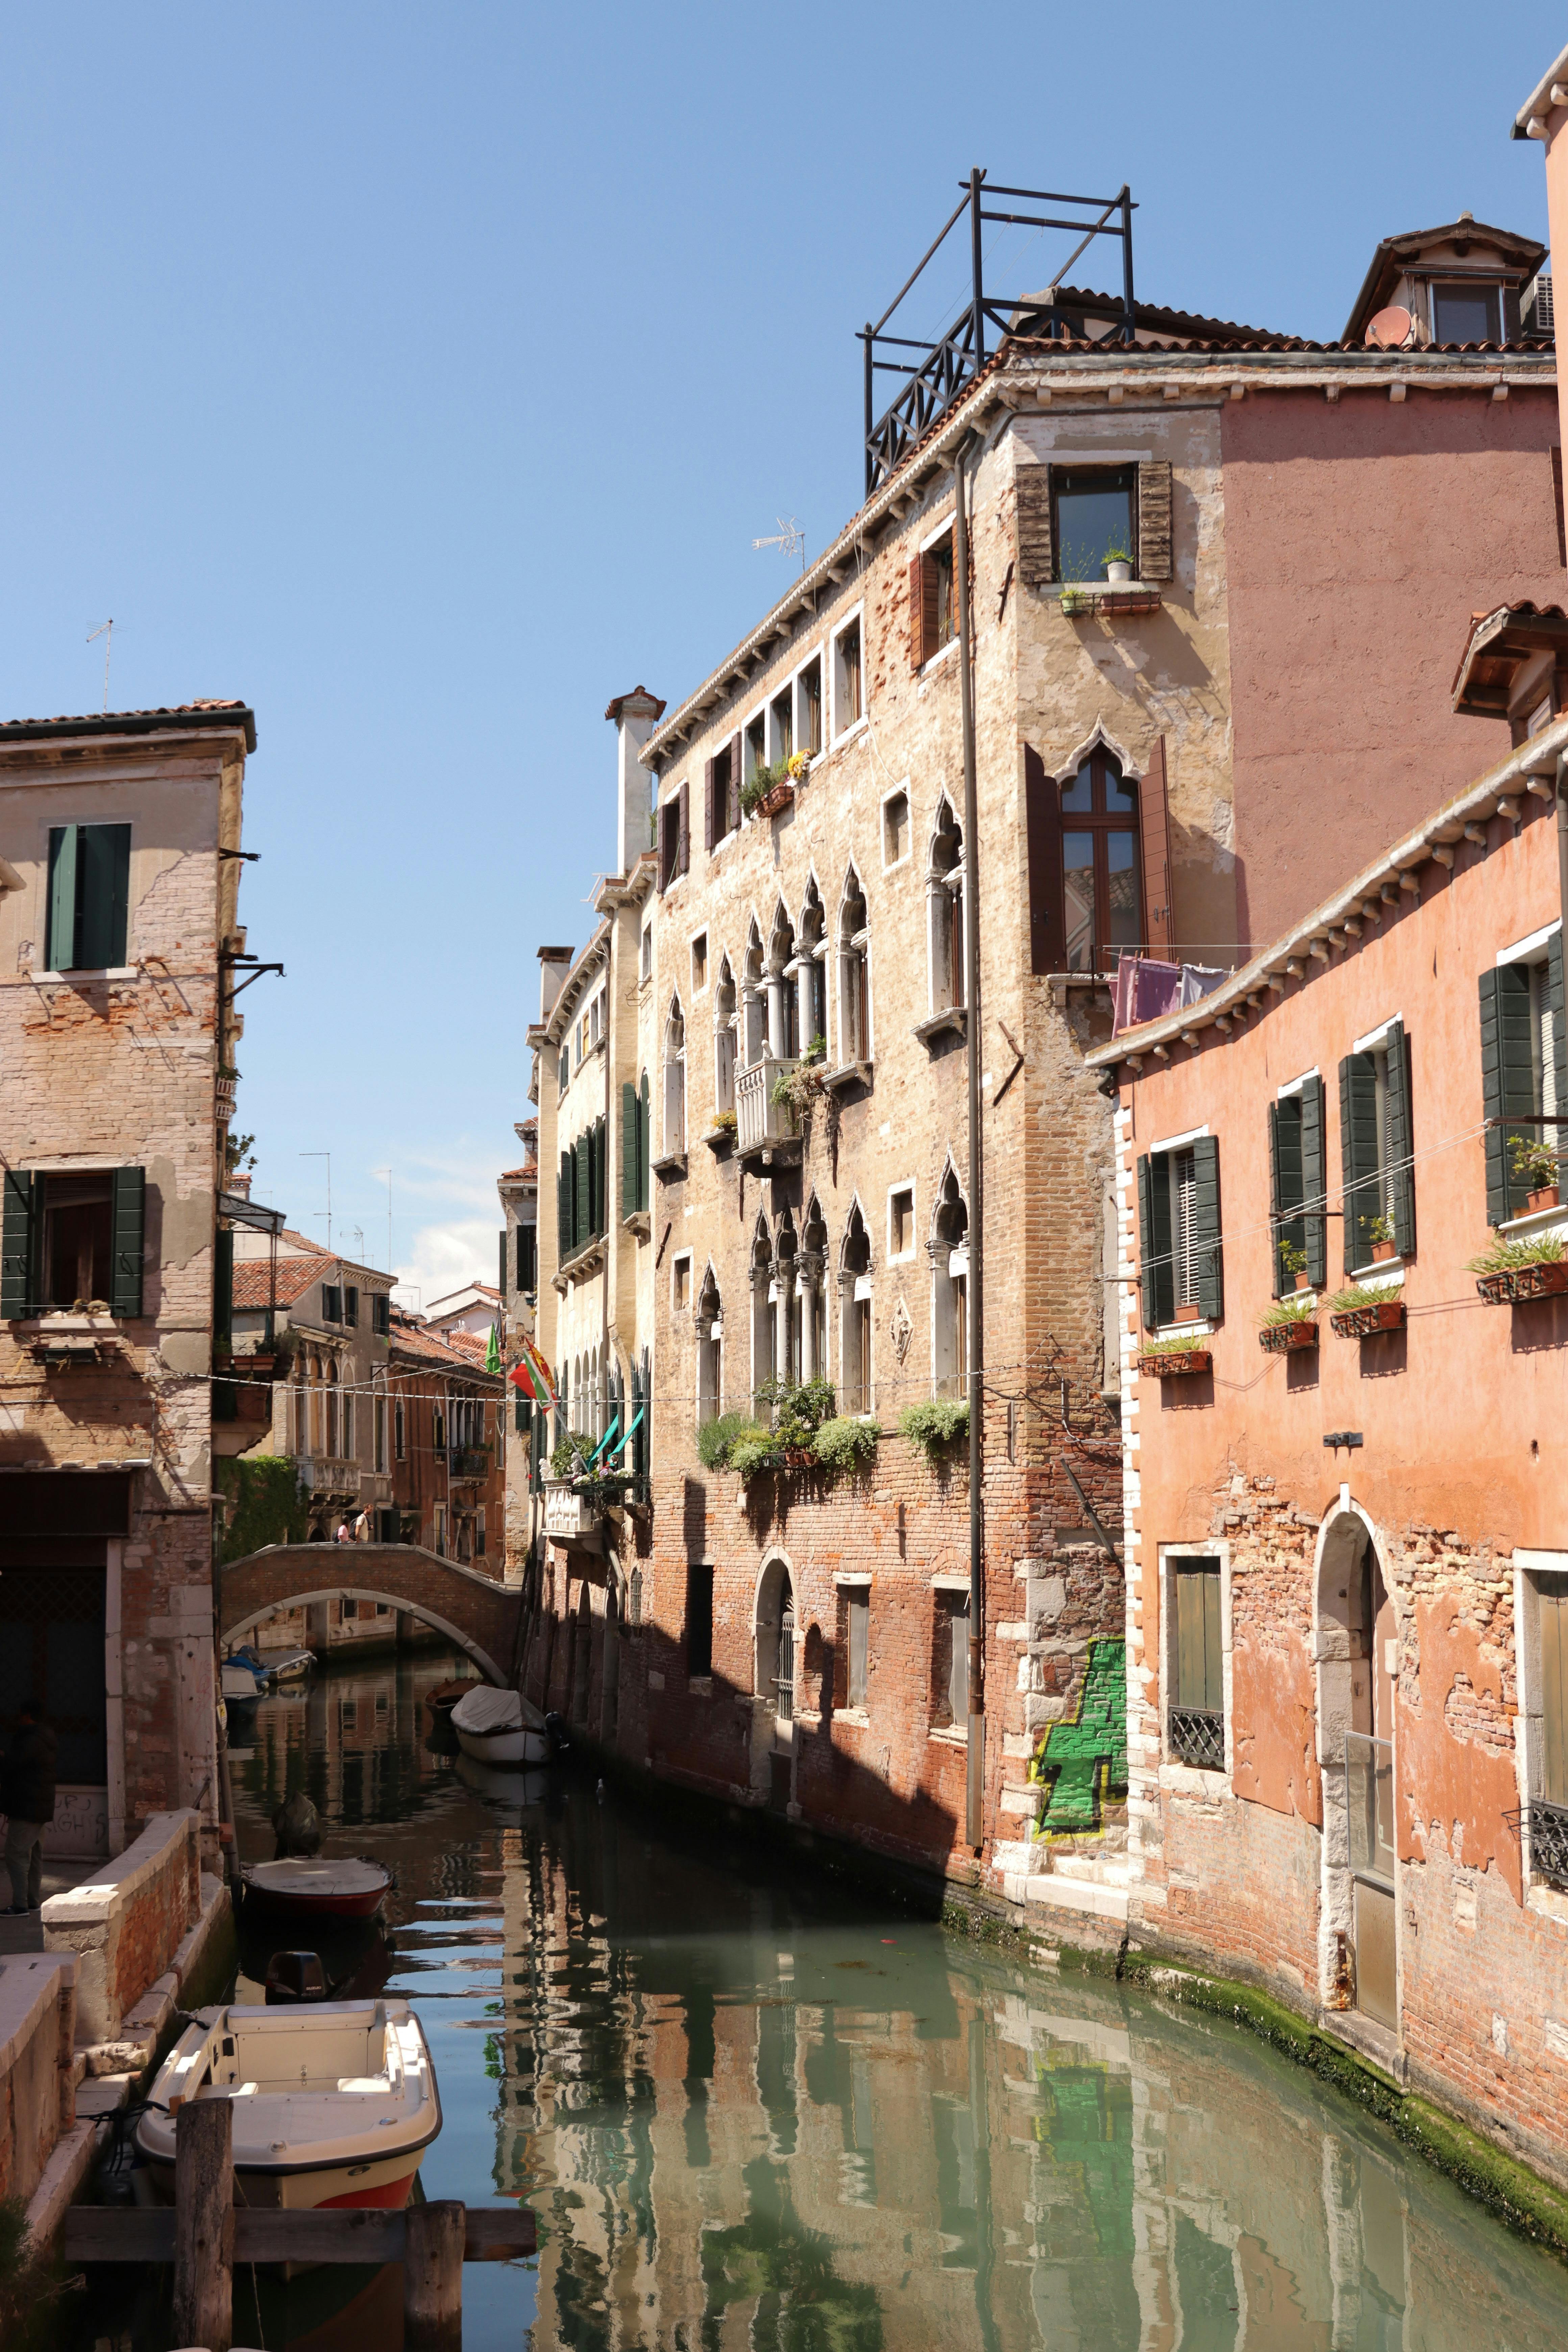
x,y
59,943
128,1200
581,1226
629,1155
1401,1140
528,1258
103,876
1149,1281
1493,1020
18,1228
645,1149
1285,1175
223,1292
1559,1035
601,1174
563,1210
1208,1247
1508,1083
1274,1193
503,1262
1358,1155
1314,1182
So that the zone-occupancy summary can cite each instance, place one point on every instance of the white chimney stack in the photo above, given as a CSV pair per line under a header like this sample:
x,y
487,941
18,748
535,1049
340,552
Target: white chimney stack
x,y
636,715
554,963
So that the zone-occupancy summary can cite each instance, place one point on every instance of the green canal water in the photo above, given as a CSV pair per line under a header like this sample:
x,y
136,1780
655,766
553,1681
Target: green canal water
x,y
753,2110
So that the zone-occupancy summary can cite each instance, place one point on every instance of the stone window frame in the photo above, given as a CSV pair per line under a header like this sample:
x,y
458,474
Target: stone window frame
x,y
903,791
679,1258
1529,1566
855,617
695,939
708,1352
946,529
910,1185
1186,1779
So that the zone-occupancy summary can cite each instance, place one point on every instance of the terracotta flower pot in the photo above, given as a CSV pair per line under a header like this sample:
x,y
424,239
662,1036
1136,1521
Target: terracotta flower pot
x,y
1381,1250
1303,1282
1546,1280
778,796
1177,1365
1362,1322
1546,1198
1280,1338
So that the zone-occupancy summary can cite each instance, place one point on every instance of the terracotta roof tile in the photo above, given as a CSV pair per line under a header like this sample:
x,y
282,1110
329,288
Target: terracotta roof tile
x,y
253,1277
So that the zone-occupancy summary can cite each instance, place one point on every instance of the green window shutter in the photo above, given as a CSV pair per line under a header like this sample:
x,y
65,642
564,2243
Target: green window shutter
x,y
528,1258
645,1150
128,1202
19,1226
1284,1180
563,1229
503,1262
103,878
630,1154
223,1293
1208,1248
601,1173
1492,989
60,945
1401,1140
1358,1153
1559,1037
1314,1182
581,1226
1147,1247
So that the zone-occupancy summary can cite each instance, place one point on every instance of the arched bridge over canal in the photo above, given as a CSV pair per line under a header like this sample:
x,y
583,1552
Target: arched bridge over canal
x,y
475,1611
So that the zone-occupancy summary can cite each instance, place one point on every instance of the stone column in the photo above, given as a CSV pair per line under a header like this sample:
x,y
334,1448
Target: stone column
x,y
808,1281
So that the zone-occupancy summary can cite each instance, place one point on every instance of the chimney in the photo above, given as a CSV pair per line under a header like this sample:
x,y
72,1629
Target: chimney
x,y
554,963
636,715
239,1180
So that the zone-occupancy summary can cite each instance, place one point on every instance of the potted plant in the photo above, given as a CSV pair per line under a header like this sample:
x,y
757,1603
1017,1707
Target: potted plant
x,y
1361,1310
1173,1359
1117,564
1076,600
1286,1325
1534,1165
1379,1232
1537,1268
1293,1261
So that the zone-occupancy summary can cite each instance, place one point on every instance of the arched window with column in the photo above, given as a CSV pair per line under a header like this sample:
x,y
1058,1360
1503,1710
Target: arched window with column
x,y
710,1324
854,973
674,1081
753,998
761,1275
811,1282
945,901
784,1013
786,1305
855,1316
810,972
1102,891
330,1440
725,1040
948,1248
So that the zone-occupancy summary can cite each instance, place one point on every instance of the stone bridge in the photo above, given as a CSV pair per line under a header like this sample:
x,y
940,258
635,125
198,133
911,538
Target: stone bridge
x,y
475,1611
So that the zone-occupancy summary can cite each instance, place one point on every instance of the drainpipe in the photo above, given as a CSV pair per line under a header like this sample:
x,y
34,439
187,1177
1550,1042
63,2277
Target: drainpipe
x,y
974,1807
1563,845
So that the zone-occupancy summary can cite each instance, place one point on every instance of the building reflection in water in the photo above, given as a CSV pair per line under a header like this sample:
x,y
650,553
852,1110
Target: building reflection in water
x,y
759,2114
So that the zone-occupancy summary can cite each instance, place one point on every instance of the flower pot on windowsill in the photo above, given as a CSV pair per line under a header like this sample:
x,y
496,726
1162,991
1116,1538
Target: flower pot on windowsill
x,y
1176,1364
1546,1198
1118,571
1382,1250
1546,1279
1280,1338
1365,1322
777,796
1303,1282
1076,603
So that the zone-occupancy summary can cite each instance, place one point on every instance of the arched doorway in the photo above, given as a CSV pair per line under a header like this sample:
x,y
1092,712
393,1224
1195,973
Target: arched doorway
x,y
1357,1671
774,1684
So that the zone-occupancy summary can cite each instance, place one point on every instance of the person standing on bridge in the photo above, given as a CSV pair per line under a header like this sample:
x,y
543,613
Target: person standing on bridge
x,y
28,1800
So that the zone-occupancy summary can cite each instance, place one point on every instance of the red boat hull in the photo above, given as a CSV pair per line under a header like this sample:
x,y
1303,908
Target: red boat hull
x,y
317,1906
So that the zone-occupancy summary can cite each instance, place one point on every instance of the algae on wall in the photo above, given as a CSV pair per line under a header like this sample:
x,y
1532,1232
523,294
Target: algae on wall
x,y
264,1504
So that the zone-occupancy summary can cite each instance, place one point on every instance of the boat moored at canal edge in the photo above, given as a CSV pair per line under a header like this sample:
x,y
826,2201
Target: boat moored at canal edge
x,y
298,1887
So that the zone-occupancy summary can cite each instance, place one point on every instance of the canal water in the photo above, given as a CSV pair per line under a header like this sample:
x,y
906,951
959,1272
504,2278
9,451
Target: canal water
x,y
751,2110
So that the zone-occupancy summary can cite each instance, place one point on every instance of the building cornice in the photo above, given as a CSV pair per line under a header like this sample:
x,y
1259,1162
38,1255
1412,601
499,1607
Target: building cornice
x,y
1033,376
1530,766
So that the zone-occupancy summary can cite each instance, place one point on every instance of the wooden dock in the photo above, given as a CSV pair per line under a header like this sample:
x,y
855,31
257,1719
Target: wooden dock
x,y
205,2234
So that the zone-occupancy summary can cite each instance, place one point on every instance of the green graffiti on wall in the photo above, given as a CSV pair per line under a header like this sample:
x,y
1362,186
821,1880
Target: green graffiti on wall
x,y
1083,1762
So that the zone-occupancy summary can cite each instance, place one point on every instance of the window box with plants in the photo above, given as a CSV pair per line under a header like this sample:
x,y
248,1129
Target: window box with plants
x,y
805,1433
724,1131
1535,1167
936,1426
798,1083
1292,1322
1174,1358
1379,1236
1363,1309
768,789
1535,1268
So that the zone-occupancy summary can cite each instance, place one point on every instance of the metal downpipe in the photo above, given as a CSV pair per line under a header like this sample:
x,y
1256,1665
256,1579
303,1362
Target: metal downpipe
x,y
974,1804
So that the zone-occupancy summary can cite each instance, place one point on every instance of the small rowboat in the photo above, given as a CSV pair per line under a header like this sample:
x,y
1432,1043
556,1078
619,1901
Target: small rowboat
x,y
501,1726
317,1887
443,1696
292,1666
335,2103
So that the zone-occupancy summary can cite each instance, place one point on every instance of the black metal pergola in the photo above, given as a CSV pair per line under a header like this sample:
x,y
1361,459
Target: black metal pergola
x,y
937,379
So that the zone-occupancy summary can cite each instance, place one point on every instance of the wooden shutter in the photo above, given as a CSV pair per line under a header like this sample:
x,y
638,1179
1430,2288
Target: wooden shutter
x,y
580,1225
1278,1231
563,1209
629,1153
59,944
223,1292
730,815
19,1226
126,1210
1559,1038
645,1147
1043,833
917,613
665,812
1314,1182
1154,520
1154,841
708,834
1037,549
1508,1085
1207,1245
1358,1154
504,1262
1284,1177
1552,1603
1200,1678
1401,1173
683,831
527,1258
1148,1279
104,855
602,1172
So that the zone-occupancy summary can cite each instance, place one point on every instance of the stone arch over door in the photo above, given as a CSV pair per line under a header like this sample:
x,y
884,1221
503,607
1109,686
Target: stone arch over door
x,y
1354,1619
775,1670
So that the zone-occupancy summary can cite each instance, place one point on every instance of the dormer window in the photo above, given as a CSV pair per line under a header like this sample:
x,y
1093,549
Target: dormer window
x,y
1465,314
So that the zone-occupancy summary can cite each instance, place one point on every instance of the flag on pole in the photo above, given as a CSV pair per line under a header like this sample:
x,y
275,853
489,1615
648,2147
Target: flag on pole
x,y
492,1353
532,1375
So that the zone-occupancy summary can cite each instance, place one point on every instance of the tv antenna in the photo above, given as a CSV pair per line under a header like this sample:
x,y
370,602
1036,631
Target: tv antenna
x,y
107,634
789,538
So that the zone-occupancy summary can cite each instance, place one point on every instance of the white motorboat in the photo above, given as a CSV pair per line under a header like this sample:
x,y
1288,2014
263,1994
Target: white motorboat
x,y
240,1682
292,1666
334,2103
501,1726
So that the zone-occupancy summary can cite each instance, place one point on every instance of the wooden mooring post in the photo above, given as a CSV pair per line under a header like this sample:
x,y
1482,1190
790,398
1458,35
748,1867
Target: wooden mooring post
x,y
433,2278
204,2224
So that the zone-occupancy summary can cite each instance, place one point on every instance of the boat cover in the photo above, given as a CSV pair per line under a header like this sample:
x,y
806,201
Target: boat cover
x,y
327,1877
487,1710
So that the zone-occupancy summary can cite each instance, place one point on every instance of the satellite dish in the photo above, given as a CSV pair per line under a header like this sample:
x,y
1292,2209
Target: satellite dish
x,y
1391,330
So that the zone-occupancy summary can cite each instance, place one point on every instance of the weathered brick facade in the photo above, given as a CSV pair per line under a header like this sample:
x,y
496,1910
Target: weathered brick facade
x,y
116,1070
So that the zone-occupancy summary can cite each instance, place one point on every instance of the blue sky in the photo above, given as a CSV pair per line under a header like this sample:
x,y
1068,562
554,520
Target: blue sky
x,y
423,376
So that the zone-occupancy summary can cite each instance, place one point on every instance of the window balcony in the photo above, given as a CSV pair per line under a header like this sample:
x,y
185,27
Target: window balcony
x,y
469,1461
569,1516
1546,1832
762,1123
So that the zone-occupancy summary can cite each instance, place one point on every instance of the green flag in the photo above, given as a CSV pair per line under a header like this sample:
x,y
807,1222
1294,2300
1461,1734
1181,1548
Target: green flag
x,y
492,1353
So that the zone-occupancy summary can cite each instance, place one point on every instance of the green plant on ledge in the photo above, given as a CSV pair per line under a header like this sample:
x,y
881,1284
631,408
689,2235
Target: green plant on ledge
x,y
800,1410
1504,1256
717,1439
569,1457
935,1423
1283,1311
1364,1294
1376,1229
1293,1260
763,781
725,1123
796,1089
1531,1165
1178,1347
843,1443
